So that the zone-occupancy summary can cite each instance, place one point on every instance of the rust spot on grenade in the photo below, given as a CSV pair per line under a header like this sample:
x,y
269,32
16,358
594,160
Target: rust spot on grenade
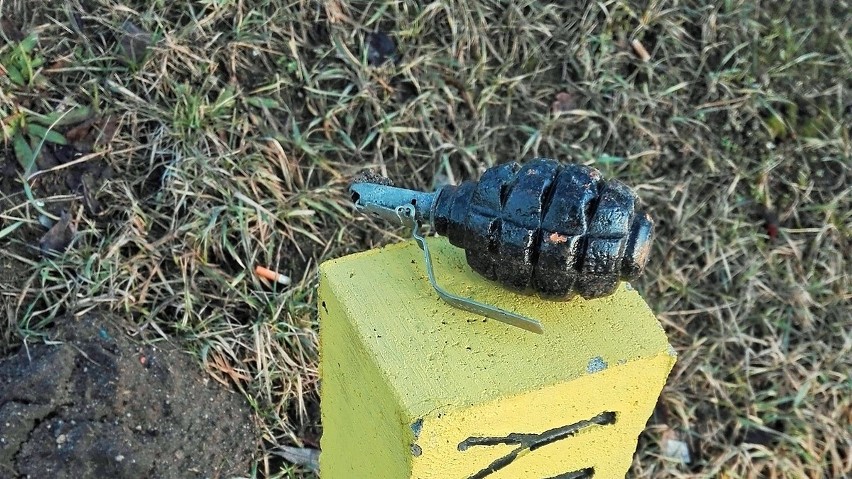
x,y
557,238
555,228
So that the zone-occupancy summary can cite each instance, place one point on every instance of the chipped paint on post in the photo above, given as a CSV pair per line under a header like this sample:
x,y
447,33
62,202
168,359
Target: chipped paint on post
x,y
412,388
596,365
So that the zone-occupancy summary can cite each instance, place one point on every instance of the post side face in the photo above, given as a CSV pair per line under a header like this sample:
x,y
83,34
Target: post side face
x,y
451,375
363,434
588,427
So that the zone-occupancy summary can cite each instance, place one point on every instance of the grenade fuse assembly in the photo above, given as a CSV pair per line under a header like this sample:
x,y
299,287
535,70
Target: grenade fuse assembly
x,y
558,229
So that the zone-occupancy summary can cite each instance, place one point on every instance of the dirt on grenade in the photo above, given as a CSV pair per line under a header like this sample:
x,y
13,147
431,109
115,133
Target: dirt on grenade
x,y
97,405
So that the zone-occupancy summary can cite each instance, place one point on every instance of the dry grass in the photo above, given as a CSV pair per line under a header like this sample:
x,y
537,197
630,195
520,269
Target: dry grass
x,y
239,132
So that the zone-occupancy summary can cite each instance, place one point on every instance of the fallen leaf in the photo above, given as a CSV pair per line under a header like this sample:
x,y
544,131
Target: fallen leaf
x,y
108,126
59,236
98,131
135,43
77,134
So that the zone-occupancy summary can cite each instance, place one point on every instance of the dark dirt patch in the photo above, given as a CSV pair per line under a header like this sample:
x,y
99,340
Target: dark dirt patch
x,y
98,405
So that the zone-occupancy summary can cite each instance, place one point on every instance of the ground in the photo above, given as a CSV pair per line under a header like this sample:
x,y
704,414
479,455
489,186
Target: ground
x,y
179,144
99,405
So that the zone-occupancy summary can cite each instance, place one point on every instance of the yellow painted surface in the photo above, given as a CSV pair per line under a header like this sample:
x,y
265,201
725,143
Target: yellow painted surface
x,y
406,378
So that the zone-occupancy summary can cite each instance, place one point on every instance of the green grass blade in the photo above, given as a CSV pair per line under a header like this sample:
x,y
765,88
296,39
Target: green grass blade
x,y
15,75
61,118
48,135
24,153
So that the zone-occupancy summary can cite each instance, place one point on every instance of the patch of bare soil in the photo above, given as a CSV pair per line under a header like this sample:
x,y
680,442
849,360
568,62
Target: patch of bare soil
x,y
95,404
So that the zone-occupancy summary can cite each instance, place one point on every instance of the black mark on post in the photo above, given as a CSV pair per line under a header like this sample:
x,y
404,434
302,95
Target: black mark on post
x,y
586,473
325,307
532,442
416,427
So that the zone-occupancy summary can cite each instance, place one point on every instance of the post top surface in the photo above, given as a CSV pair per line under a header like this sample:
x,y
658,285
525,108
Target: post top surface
x,y
436,355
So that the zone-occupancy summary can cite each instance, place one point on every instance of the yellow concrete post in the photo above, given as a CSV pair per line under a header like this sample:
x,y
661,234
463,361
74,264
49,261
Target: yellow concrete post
x,y
413,388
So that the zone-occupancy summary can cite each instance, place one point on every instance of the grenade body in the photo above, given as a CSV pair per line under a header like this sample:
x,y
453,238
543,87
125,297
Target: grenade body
x,y
558,229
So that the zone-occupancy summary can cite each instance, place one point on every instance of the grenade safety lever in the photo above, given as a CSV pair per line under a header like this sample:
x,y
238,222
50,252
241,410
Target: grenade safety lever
x,y
407,214
558,229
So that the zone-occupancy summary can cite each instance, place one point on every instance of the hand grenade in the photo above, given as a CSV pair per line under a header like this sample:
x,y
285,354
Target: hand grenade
x,y
558,229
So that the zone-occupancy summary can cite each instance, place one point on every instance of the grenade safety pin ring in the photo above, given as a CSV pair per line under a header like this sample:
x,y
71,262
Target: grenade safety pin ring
x,y
558,229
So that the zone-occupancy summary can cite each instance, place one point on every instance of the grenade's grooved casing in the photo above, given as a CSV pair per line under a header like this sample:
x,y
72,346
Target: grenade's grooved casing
x,y
557,229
